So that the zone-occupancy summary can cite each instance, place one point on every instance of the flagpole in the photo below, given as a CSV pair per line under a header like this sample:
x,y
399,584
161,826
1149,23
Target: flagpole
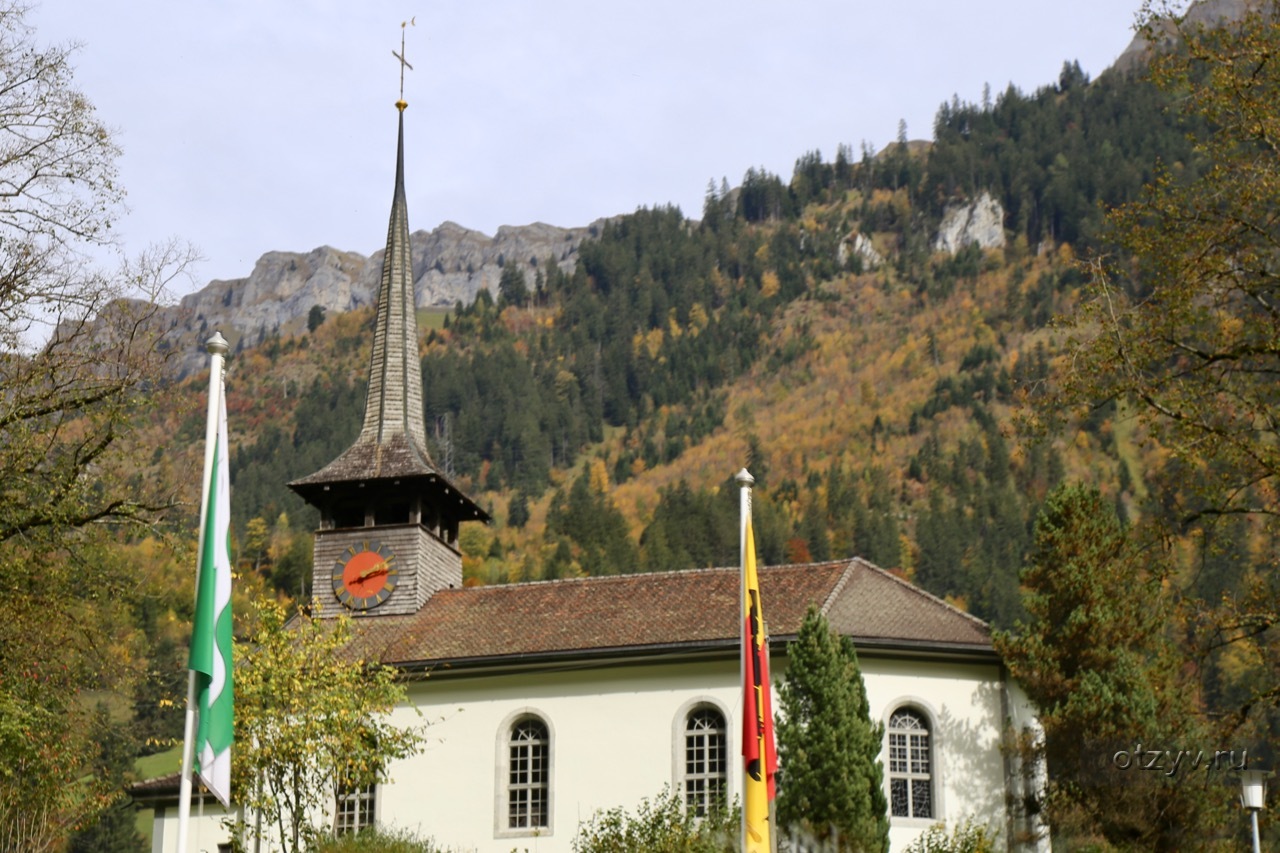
x,y
745,482
217,348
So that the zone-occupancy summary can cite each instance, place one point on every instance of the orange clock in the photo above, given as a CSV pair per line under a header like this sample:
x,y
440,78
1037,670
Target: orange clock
x,y
365,575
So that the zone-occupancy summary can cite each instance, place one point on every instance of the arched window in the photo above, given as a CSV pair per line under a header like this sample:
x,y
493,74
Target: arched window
x,y
910,765
528,775
706,763
355,808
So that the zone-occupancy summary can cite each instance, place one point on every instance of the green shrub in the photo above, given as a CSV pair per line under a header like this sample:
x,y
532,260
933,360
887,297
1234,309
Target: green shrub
x,y
376,840
660,825
967,837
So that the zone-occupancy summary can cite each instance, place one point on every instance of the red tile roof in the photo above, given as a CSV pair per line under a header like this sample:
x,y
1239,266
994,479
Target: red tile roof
x,y
160,790
627,614
632,614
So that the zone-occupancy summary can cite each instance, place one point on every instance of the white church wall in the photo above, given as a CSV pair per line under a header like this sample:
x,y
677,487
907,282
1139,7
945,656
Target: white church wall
x,y
963,706
205,832
617,735
1027,774
611,731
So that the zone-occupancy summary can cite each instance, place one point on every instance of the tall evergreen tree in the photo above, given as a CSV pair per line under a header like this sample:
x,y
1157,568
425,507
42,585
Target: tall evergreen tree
x,y
513,288
1097,658
831,779
588,517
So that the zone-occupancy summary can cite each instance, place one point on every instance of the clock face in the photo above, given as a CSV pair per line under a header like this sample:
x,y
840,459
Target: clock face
x,y
365,575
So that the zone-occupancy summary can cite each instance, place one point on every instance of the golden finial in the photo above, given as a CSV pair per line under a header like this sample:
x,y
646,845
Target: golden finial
x,y
412,22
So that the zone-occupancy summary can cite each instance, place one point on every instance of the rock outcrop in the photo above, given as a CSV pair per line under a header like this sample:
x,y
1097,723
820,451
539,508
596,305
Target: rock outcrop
x,y
980,222
1207,13
450,263
858,245
282,287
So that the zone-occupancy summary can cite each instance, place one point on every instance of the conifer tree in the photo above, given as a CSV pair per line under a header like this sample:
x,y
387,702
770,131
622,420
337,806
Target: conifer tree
x,y
1097,658
831,779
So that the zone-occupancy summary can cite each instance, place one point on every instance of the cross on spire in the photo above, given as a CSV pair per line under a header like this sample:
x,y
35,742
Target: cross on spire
x,y
404,63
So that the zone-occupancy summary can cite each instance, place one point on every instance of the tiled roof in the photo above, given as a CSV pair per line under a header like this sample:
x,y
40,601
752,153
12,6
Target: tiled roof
x,y
633,613
161,784
165,788
874,605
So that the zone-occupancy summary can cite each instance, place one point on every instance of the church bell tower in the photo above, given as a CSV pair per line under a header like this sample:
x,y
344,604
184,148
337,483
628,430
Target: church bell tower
x,y
389,517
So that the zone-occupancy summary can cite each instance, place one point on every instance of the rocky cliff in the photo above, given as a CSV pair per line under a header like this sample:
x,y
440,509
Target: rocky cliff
x,y
1206,13
450,263
980,222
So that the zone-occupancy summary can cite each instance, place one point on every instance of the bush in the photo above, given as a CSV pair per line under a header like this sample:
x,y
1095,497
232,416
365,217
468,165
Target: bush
x,y
376,840
661,825
968,837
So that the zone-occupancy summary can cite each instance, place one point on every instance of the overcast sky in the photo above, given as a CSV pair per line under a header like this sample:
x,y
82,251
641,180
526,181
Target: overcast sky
x,y
251,125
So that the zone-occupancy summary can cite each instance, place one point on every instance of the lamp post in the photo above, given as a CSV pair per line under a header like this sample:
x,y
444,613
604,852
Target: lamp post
x,y
1253,796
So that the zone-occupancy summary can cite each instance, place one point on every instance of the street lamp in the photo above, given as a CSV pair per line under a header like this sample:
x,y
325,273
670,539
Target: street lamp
x,y
1253,796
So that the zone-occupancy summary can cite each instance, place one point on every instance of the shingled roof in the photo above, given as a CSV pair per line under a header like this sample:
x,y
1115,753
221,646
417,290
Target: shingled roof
x,y
392,444
691,610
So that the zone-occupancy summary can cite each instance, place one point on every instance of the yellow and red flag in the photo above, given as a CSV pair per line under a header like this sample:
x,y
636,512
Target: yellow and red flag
x,y
760,758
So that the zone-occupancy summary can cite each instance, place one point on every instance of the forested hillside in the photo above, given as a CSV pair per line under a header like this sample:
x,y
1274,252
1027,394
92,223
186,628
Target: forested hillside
x,y
1069,433
1067,429
1105,501
601,413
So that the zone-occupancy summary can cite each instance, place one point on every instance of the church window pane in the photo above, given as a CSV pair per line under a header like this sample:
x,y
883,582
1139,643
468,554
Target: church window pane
x,y
705,761
528,775
355,809
910,765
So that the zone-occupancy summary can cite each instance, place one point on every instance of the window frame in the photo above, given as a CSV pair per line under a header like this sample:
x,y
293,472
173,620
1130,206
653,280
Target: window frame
x,y
679,728
932,777
364,812
503,786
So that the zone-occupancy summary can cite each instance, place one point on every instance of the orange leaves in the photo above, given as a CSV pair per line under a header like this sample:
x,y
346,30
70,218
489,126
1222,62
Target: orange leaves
x,y
649,343
769,283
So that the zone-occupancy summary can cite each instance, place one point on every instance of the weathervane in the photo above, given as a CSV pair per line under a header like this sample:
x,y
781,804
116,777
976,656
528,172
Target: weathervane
x,y
404,63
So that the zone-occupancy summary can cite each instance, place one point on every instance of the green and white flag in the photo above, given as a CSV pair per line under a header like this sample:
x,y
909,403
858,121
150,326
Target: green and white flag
x,y
211,632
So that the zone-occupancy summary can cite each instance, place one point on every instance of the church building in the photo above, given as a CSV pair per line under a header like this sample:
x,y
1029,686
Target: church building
x,y
548,701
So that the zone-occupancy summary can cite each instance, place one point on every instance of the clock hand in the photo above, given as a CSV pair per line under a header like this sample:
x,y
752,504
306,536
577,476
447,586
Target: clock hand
x,y
379,568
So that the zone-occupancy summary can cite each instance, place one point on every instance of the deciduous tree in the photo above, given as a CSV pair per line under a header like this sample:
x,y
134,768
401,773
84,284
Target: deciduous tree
x,y
311,719
1182,325
77,363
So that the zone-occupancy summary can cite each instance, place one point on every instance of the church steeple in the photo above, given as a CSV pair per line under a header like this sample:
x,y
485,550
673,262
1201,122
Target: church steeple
x,y
394,404
388,516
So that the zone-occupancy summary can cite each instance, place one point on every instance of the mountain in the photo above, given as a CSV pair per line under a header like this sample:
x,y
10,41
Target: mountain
x,y
862,335
1207,13
859,335
451,264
